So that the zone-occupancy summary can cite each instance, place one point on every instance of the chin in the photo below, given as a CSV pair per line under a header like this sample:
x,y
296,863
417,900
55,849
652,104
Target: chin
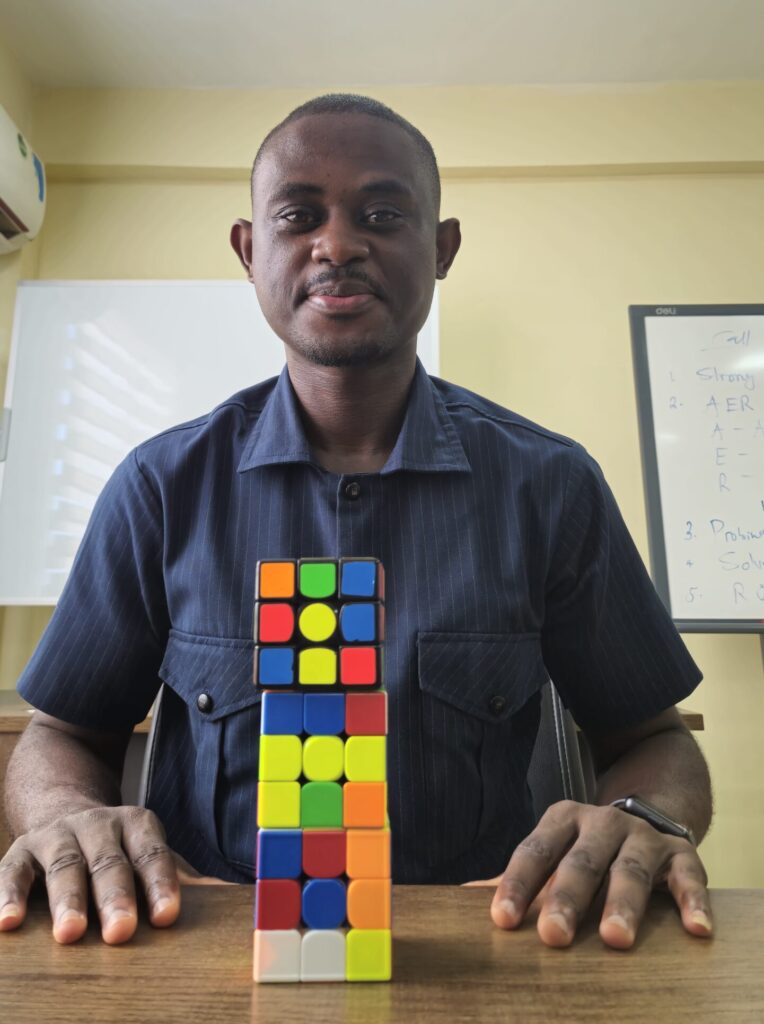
x,y
359,353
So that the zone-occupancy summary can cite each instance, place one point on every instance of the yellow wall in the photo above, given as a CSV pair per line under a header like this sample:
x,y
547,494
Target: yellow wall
x,y
575,202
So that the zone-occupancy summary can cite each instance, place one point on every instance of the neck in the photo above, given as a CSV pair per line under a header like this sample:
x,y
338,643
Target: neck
x,y
352,415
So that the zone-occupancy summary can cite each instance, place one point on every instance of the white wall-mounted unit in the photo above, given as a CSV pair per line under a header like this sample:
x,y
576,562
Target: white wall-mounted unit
x,y
22,187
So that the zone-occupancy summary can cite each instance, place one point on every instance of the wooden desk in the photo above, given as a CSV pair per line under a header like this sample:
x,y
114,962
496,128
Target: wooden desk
x,y
449,962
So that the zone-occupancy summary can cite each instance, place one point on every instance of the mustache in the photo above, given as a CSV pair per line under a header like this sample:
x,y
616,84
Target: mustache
x,y
329,280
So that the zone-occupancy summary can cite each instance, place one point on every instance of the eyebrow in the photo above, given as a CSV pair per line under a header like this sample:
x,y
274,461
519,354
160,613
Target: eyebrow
x,y
387,186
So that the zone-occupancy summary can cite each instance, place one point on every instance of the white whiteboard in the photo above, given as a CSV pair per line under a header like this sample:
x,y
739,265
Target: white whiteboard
x,y
700,386
96,367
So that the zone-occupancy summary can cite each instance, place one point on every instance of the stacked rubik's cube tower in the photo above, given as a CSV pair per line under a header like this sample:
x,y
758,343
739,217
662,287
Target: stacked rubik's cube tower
x,y
323,888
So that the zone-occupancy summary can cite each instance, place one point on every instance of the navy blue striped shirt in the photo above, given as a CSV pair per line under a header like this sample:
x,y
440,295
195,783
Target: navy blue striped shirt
x,y
507,562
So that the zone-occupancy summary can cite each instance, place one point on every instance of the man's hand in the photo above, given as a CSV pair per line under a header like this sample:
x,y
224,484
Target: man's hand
x,y
109,845
574,849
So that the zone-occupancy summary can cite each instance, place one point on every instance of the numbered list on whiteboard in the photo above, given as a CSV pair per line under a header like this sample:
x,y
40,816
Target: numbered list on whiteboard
x,y
707,387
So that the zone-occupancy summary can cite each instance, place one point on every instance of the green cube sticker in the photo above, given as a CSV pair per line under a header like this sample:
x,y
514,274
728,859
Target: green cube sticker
x,y
321,805
318,579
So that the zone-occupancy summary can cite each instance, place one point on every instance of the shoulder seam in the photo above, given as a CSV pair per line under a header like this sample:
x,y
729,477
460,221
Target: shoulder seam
x,y
147,482
568,442
199,421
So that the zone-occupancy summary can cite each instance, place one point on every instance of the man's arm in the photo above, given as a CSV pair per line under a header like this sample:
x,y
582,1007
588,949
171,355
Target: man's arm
x,y
63,802
660,761
576,848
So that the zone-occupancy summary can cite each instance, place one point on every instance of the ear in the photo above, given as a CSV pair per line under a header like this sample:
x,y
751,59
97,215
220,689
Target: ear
x,y
448,238
241,242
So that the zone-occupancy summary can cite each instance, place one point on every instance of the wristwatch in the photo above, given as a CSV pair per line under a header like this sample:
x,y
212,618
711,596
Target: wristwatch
x,y
642,809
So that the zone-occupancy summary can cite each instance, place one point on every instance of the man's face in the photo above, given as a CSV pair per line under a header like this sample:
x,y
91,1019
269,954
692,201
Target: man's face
x,y
340,203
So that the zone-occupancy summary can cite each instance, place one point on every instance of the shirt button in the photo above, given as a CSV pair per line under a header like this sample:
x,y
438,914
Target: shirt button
x,y
497,705
204,703
353,490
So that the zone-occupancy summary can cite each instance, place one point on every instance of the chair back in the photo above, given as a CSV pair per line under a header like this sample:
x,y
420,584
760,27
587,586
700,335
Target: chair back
x,y
557,771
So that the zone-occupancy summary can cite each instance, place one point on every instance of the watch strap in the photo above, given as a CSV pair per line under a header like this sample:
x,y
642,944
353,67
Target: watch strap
x,y
654,816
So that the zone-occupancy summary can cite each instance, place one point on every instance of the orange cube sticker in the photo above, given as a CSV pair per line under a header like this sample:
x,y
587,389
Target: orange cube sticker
x,y
277,579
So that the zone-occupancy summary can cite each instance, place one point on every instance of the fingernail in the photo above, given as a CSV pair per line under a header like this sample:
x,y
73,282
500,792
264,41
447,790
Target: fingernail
x,y
9,910
561,922
701,917
620,922
161,904
70,914
117,915
508,907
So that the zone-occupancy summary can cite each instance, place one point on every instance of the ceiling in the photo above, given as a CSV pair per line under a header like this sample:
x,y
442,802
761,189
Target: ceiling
x,y
303,44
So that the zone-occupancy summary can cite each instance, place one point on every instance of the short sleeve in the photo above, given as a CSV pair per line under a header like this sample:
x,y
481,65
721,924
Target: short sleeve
x,y
609,644
97,662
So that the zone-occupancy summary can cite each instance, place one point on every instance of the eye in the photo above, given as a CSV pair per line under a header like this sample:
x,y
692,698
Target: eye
x,y
386,215
301,216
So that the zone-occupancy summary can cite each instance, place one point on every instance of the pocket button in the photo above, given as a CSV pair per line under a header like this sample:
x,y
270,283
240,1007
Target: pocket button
x,y
497,705
204,703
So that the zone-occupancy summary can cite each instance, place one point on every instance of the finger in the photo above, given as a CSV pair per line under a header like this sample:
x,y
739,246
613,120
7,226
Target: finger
x,y
482,883
17,875
687,882
533,861
154,862
60,857
99,834
632,879
576,882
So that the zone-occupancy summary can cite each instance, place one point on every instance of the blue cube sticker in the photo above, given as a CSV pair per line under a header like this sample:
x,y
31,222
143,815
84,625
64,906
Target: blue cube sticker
x,y
358,623
275,666
282,714
279,853
359,579
324,903
324,714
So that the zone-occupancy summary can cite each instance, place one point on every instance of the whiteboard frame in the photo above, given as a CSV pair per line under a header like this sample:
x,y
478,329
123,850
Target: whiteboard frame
x,y
649,455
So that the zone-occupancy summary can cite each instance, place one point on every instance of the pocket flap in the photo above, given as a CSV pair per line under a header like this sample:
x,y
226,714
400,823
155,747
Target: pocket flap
x,y
219,667
489,675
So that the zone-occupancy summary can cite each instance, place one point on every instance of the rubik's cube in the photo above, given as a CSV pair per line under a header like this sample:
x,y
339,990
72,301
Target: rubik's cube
x,y
323,886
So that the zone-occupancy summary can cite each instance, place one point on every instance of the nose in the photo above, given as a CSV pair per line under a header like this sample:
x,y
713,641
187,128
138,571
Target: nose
x,y
339,241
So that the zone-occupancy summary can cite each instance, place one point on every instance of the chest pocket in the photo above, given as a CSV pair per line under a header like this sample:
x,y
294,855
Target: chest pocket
x,y
216,773
479,717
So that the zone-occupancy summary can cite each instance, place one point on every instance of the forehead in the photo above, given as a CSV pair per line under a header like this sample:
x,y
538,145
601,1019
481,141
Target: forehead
x,y
339,150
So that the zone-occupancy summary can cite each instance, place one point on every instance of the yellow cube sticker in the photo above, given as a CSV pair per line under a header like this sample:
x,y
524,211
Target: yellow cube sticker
x,y
365,759
369,954
280,758
318,666
323,758
278,804
317,622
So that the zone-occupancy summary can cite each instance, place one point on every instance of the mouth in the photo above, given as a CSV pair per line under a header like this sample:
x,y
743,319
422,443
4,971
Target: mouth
x,y
343,297
341,303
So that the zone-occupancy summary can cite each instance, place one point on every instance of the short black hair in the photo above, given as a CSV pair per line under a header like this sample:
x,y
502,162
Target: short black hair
x,y
352,103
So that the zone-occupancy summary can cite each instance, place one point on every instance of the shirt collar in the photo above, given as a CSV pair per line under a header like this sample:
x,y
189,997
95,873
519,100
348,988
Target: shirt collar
x,y
428,440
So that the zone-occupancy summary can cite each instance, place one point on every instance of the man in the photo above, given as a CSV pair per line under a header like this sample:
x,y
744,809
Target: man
x,y
506,559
